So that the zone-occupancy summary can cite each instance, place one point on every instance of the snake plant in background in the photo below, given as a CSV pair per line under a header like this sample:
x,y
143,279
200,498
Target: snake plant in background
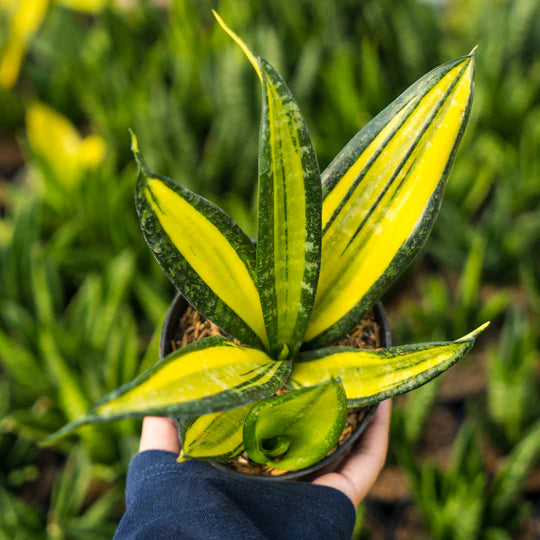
x,y
327,247
461,502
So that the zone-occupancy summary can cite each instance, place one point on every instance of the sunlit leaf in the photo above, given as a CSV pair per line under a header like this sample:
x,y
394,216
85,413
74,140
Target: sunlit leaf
x,y
202,251
372,376
211,375
59,146
216,436
24,18
289,214
382,194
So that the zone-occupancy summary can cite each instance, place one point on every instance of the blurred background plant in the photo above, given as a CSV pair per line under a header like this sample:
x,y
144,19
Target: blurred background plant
x,y
82,301
462,500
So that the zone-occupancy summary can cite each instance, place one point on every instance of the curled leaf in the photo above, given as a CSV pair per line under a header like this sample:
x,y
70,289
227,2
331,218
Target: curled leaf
x,y
297,429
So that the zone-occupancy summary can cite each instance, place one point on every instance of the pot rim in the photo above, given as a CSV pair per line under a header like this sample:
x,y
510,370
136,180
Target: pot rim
x,y
180,304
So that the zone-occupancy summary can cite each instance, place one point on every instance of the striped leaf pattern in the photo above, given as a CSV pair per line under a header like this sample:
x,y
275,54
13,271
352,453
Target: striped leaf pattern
x,y
382,194
297,429
216,436
211,375
289,214
203,252
372,376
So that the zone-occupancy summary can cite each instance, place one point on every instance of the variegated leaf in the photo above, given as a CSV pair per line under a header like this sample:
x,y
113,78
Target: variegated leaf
x,y
297,429
382,194
216,436
203,252
211,375
372,376
289,216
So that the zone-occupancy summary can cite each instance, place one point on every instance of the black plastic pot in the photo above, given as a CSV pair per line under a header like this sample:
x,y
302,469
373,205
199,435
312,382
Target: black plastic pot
x,y
328,464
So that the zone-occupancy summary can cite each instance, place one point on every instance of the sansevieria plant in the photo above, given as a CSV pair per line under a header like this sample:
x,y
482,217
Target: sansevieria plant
x,y
327,247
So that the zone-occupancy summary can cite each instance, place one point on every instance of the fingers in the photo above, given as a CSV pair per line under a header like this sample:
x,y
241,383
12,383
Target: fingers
x,y
159,434
365,464
374,441
361,469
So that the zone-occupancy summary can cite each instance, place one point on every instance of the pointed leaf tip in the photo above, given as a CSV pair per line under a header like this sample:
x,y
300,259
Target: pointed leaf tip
x,y
284,354
251,56
373,376
365,245
475,333
134,142
473,52
142,167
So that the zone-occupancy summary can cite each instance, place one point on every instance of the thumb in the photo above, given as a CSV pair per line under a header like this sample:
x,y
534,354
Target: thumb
x,y
159,434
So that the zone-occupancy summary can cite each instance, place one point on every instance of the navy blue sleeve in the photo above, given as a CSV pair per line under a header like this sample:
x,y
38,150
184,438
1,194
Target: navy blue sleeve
x,y
192,500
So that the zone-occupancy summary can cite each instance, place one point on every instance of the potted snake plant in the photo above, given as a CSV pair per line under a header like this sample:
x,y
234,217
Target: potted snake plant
x,y
274,385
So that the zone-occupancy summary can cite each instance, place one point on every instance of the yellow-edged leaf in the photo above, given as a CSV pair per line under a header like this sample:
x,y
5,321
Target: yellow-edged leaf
x,y
203,252
372,376
208,376
289,213
216,436
382,195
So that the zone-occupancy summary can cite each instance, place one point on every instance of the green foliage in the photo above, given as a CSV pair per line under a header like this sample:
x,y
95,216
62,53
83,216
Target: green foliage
x,y
61,339
50,347
513,393
495,192
294,430
72,512
409,419
398,166
359,533
173,77
462,502
452,502
443,309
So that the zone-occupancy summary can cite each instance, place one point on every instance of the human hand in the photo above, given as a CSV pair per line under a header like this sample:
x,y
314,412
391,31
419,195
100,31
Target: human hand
x,y
159,434
360,470
355,477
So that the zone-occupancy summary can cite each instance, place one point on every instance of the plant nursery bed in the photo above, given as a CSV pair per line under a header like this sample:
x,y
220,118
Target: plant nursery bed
x,y
466,379
438,437
391,486
409,526
494,459
193,326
